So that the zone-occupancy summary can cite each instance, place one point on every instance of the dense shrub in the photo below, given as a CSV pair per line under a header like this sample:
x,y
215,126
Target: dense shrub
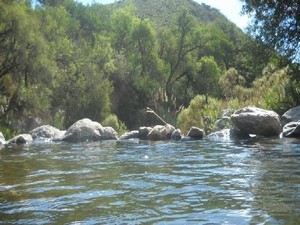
x,y
276,90
113,121
202,112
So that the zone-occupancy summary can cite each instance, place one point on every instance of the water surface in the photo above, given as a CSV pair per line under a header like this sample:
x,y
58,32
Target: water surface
x,y
254,181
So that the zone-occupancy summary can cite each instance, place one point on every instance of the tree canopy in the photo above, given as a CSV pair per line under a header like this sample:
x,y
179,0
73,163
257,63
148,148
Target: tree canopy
x,y
61,61
276,23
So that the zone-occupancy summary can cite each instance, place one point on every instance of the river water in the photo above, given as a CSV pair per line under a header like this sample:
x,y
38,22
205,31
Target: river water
x,y
253,181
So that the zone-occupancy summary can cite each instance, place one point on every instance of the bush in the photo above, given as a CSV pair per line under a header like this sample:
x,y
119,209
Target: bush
x,y
276,89
202,112
7,131
113,121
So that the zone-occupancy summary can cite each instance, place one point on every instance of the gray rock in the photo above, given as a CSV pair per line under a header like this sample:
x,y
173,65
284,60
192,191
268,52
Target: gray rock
x,y
108,133
291,129
196,133
292,115
87,130
222,123
47,132
176,135
143,132
170,129
2,139
130,135
158,133
252,120
20,139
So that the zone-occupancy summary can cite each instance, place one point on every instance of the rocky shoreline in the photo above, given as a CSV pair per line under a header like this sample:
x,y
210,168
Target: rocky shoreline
x,y
244,122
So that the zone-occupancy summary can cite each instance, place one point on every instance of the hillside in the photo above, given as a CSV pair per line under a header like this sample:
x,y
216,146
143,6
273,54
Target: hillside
x,y
163,12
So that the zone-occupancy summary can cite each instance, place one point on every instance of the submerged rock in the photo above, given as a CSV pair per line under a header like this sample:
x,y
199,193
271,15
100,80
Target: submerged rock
x,y
291,129
130,135
87,130
221,134
20,139
252,120
196,133
47,132
227,134
292,115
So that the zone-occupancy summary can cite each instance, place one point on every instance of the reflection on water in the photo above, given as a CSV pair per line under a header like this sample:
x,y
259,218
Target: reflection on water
x,y
255,181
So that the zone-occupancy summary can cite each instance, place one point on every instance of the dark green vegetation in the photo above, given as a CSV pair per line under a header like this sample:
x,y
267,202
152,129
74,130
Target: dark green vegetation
x,y
62,61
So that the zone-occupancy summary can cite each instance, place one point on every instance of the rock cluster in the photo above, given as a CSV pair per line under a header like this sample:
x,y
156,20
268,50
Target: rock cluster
x,y
242,123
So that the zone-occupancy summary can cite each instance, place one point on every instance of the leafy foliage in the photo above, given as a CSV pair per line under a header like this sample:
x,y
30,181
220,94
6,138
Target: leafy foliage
x,y
277,88
62,61
276,23
202,112
112,121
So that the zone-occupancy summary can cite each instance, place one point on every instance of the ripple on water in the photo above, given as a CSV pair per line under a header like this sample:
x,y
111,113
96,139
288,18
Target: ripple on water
x,y
253,181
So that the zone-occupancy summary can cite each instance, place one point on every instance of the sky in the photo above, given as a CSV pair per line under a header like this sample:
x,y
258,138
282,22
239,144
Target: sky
x,y
230,8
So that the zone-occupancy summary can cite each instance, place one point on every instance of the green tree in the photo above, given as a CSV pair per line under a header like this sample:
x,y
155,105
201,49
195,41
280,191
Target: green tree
x,y
24,58
206,79
122,23
231,82
276,23
177,48
276,89
147,67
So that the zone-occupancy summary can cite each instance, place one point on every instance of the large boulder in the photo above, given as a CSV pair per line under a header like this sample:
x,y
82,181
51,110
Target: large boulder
x,y
158,133
196,133
87,130
2,139
291,129
47,132
20,139
253,120
292,115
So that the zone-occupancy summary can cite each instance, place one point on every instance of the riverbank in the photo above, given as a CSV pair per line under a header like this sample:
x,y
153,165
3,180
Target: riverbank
x,y
244,122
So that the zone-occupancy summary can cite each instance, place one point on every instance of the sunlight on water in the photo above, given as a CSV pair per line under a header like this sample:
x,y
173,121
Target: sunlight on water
x,y
254,181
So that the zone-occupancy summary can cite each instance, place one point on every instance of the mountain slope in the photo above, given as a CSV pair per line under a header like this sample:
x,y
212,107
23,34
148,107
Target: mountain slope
x,y
163,12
